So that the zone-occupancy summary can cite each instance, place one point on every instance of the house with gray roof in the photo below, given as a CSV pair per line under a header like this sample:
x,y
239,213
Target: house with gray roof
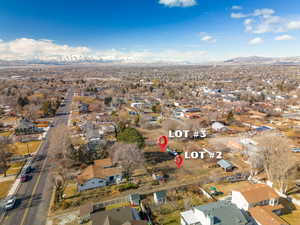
x,y
119,216
215,213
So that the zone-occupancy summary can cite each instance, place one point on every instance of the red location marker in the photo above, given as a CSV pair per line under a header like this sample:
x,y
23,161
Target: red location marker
x,y
162,142
179,161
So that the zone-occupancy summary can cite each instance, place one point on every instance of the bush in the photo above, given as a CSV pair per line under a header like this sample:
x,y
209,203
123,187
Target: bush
x,y
155,182
65,204
128,186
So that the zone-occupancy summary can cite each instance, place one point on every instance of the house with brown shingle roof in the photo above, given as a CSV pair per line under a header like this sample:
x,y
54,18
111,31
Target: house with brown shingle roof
x,y
261,201
263,215
100,174
255,195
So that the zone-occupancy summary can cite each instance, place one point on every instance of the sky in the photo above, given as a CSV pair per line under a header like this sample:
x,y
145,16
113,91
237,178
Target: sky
x,y
148,30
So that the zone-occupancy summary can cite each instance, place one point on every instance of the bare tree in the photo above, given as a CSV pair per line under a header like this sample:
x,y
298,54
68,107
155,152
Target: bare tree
x,y
129,156
5,153
256,161
60,140
59,177
31,111
170,125
59,144
277,159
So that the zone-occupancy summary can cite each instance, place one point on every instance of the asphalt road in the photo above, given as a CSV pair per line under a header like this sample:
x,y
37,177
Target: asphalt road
x,y
34,195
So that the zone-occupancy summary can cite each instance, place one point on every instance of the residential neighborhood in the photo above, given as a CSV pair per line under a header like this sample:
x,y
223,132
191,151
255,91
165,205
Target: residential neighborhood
x,y
150,112
101,136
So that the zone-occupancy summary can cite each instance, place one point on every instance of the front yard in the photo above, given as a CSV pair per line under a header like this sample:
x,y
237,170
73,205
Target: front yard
x,y
14,168
5,187
292,218
26,148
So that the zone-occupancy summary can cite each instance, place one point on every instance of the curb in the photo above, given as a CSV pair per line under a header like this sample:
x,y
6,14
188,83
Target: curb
x,y
51,202
2,211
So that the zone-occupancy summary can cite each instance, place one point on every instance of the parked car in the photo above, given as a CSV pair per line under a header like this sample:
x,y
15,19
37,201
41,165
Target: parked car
x,y
24,178
10,203
296,150
28,169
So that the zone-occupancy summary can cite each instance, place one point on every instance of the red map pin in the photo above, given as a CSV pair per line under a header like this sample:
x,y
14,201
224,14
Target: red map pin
x,y
179,161
162,142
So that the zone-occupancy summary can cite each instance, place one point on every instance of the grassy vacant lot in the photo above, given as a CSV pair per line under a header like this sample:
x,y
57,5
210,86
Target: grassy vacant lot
x,y
5,186
292,218
25,148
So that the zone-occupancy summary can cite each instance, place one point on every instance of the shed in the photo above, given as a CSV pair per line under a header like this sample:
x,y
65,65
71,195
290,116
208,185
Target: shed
x,y
226,165
160,197
135,199
217,126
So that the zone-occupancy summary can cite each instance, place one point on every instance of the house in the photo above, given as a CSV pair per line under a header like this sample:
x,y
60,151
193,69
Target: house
x,y
261,201
160,197
226,165
119,216
215,213
217,126
101,174
255,195
26,127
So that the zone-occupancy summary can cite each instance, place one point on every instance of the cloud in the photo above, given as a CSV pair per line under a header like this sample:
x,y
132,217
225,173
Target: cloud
x,y
208,38
256,41
263,12
178,3
47,50
248,25
265,21
284,37
236,7
238,15
293,25
25,48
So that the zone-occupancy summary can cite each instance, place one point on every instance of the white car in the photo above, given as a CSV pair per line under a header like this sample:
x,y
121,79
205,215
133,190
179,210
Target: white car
x,y
10,203
296,150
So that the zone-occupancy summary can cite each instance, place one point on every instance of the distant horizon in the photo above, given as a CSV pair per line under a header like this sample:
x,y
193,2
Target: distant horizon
x,y
235,61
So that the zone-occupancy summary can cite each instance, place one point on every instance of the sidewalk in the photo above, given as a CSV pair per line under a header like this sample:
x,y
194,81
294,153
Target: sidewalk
x,y
7,178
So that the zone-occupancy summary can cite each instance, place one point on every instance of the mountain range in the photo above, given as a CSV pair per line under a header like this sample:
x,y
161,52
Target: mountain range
x,y
251,60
